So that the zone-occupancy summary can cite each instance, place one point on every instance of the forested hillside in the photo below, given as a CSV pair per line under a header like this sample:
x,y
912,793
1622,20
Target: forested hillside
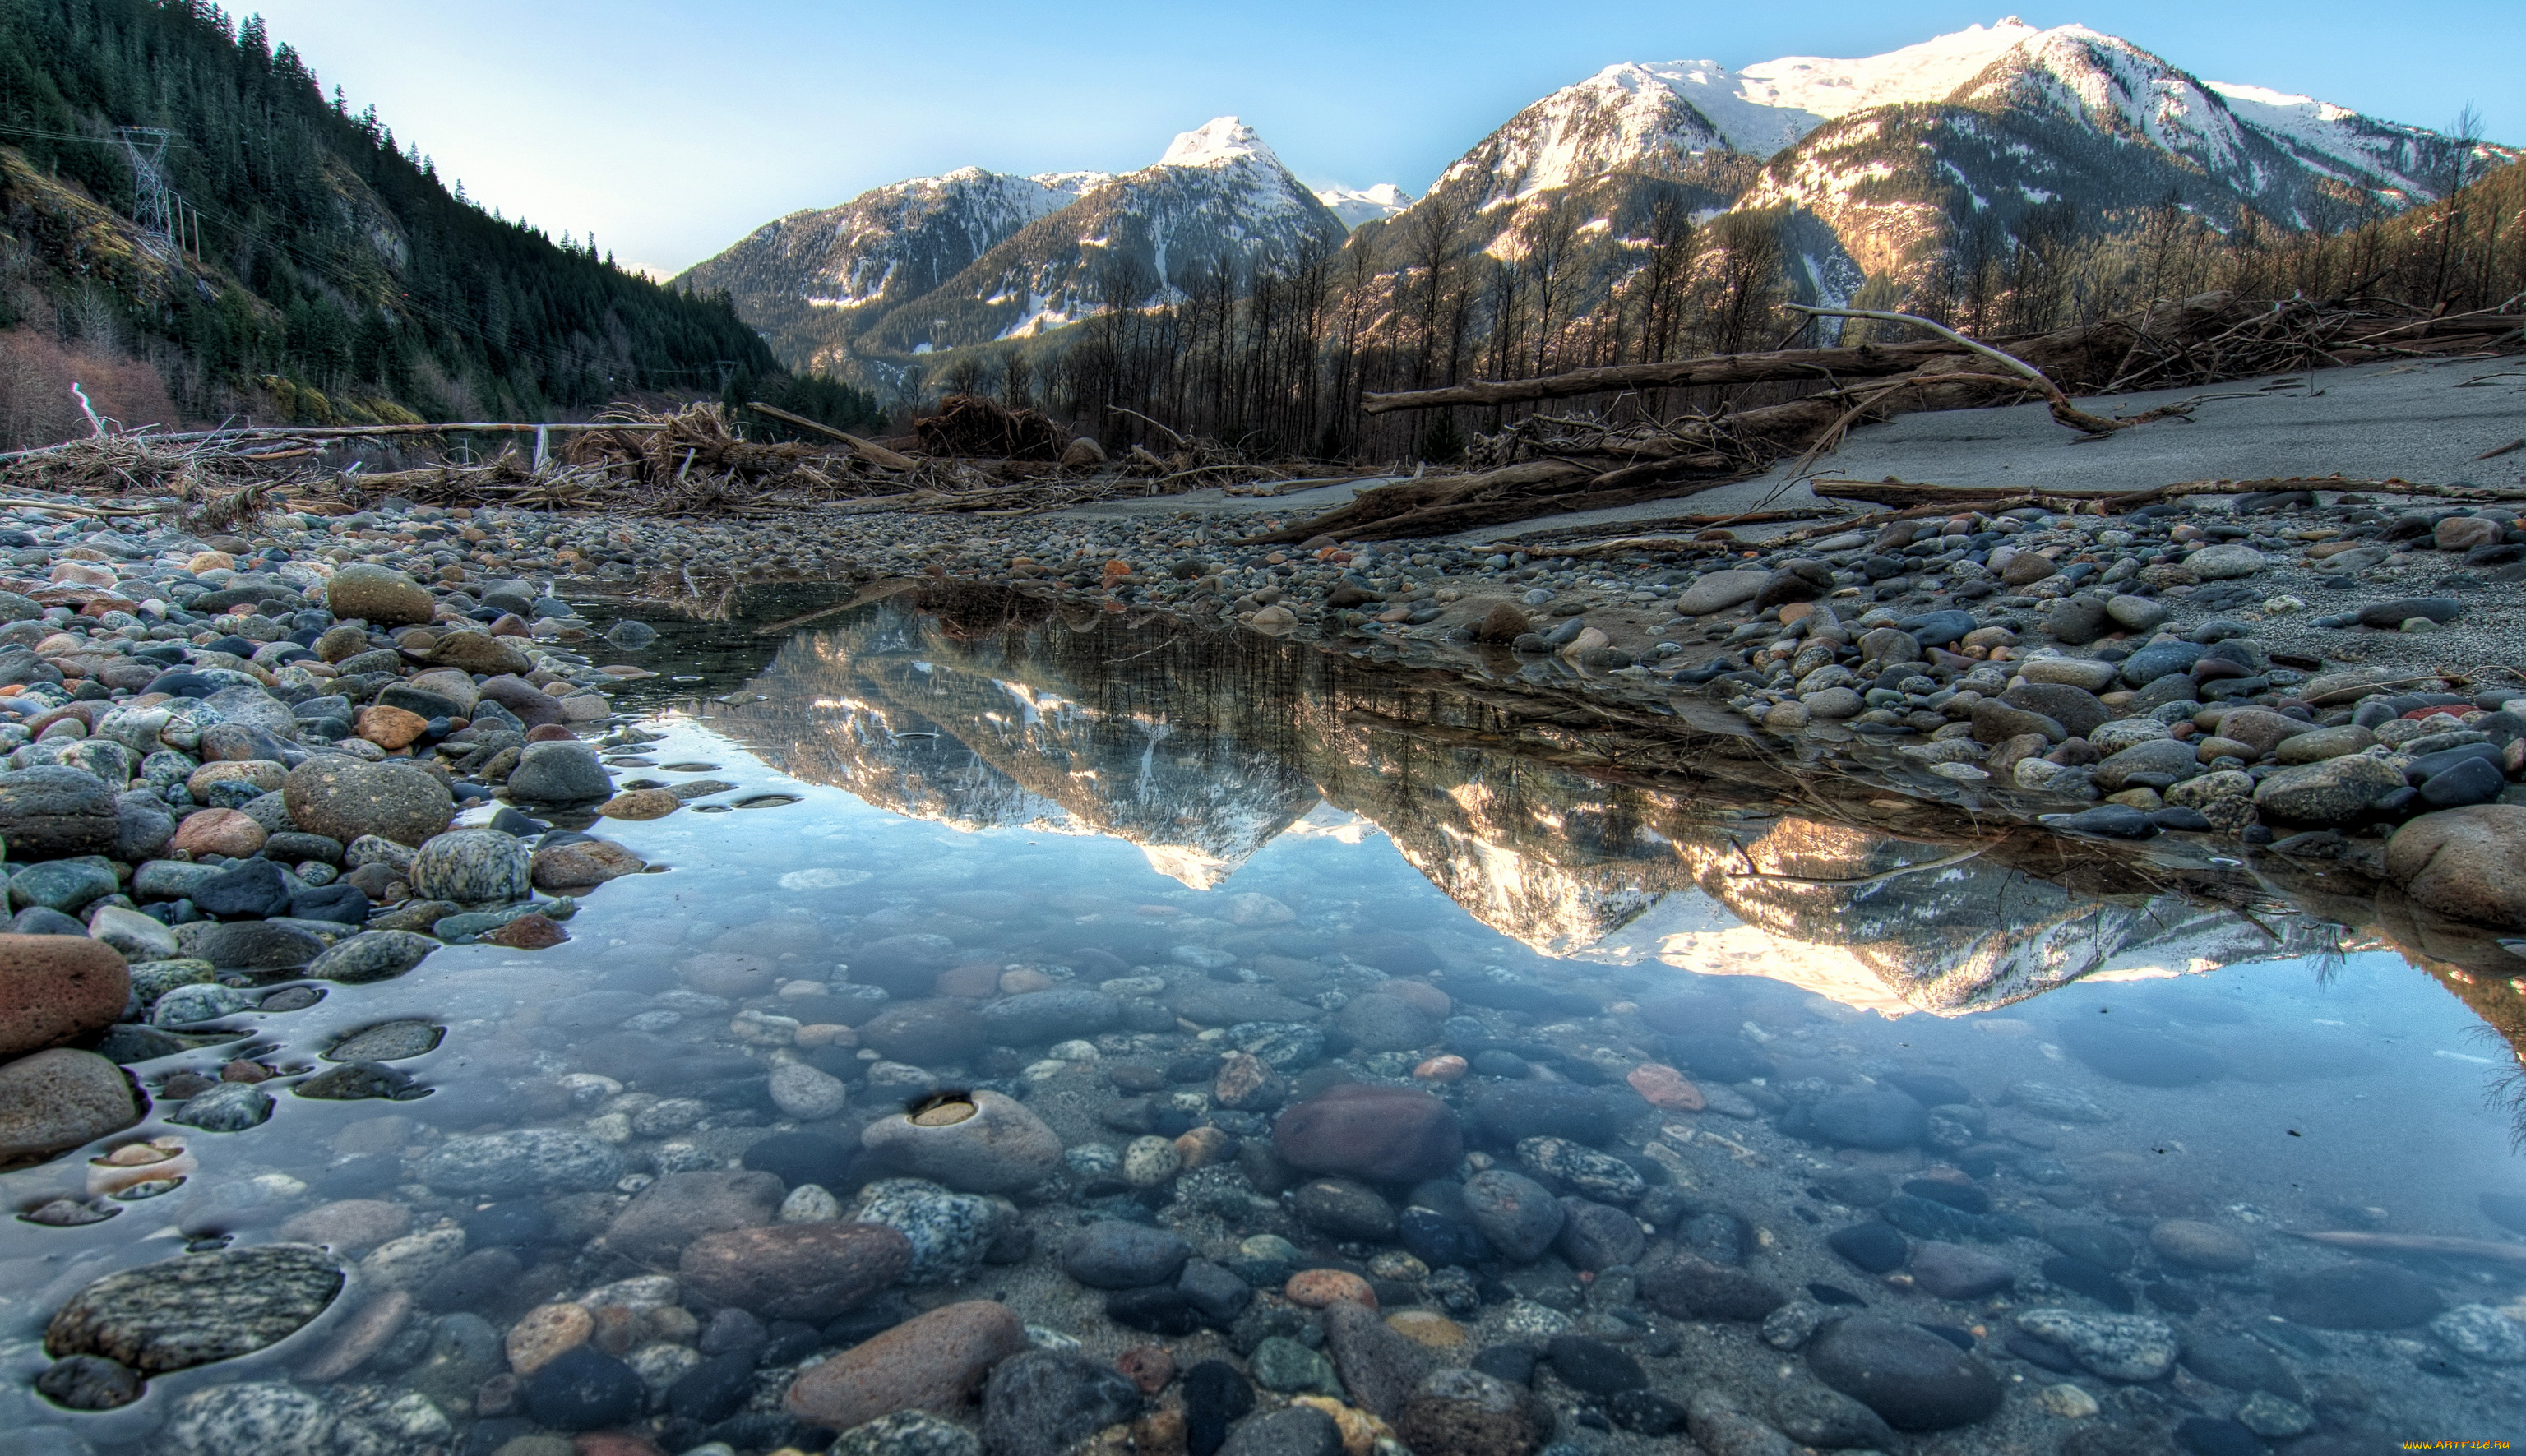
x,y
317,269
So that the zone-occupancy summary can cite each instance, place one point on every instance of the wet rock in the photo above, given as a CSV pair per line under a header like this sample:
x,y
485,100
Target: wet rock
x,y
1518,1214
1814,1416
1000,1147
1692,1288
925,1033
1467,1412
584,1388
529,1160
342,799
1379,1365
1593,1366
1870,1119
1114,1255
802,1092
56,988
564,868
950,1232
196,1309
811,1271
559,774
229,1107
1292,1431
907,1433
1596,1237
2119,1347
1582,1168
1509,1113
2365,1295
1042,1402
2135,1055
2481,1333
1387,1134
2189,1243
1910,1377
57,1100
1718,591
680,1207
52,811
266,1418
1345,1209
473,866
2468,863
2061,1104
372,955
2241,1363
1952,1272
1873,1247
1039,1017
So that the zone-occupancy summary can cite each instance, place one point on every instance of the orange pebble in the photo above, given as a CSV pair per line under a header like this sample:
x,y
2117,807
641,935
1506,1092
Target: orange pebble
x,y
1662,1086
1318,1287
1441,1069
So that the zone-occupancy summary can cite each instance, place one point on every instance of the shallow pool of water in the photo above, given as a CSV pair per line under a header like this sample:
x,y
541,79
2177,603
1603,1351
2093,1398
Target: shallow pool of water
x,y
2156,1169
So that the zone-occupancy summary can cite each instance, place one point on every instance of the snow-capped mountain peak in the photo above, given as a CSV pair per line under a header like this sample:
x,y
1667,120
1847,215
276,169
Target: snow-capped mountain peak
x,y
1215,143
1357,204
1930,70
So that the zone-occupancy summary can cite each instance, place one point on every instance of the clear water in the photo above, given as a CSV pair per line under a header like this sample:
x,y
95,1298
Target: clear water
x,y
1082,800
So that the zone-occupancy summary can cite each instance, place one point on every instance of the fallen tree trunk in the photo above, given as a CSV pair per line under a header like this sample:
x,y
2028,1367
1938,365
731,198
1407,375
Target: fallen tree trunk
x,y
1863,361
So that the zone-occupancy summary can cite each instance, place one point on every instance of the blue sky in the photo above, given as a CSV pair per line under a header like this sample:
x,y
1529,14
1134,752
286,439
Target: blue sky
x,y
670,131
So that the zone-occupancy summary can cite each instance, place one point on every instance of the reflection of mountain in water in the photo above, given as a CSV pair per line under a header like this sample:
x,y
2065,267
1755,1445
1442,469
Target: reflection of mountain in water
x,y
1200,750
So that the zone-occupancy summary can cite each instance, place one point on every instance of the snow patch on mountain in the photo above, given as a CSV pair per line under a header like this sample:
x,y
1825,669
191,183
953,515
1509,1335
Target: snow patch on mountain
x,y
1215,143
1357,204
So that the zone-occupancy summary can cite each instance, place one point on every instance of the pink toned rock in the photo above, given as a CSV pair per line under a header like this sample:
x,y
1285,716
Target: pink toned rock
x,y
224,831
56,988
934,1362
811,1271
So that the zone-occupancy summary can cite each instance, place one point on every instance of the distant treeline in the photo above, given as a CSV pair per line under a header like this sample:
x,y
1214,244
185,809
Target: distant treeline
x,y
1273,360
322,269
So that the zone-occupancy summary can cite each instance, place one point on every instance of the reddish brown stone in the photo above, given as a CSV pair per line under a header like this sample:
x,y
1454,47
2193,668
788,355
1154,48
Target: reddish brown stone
x,y
549,733
1382,1135
220,831
934,1362
564,868
1149,1367
56,988
528,933
811,1271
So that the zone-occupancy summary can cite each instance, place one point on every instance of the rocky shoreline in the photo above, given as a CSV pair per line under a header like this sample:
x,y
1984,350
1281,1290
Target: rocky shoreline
x,y
1258,1180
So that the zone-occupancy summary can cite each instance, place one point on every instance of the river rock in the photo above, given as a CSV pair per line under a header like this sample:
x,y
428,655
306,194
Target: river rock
x,y
1876,1120
267,1417
198,1308
566,869
2481,1333
528,1160
1595,1236
58,1099
584,1388
1518,1214
1692,1288
342,799
1379,1365
810,1271
56,988
1044,1402
2365,1295
2119,1347
229,1107
1910,1377
1116,1255
1720,590
806,1094
950,1232
1467,1412
2189,1243
1000,1147
680,1207
932,1362
378,595
2136,1055
473,866
559,774
2334,792
1386,1135
372,955
1954,1272
2468,863
1291,1431
925,1033
1035,1018
53,810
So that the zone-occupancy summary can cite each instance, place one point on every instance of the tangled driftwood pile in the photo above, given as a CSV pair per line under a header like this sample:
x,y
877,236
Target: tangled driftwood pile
x,y
1543,466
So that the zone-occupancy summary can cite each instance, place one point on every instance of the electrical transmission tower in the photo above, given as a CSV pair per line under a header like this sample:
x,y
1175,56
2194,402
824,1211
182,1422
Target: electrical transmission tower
x,y
155,203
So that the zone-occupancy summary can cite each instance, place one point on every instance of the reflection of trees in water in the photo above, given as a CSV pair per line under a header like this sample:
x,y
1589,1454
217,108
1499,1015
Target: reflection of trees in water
x,y
1553,822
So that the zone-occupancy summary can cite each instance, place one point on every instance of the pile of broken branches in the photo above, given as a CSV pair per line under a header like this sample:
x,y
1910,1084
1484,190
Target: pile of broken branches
x,y
1567,464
